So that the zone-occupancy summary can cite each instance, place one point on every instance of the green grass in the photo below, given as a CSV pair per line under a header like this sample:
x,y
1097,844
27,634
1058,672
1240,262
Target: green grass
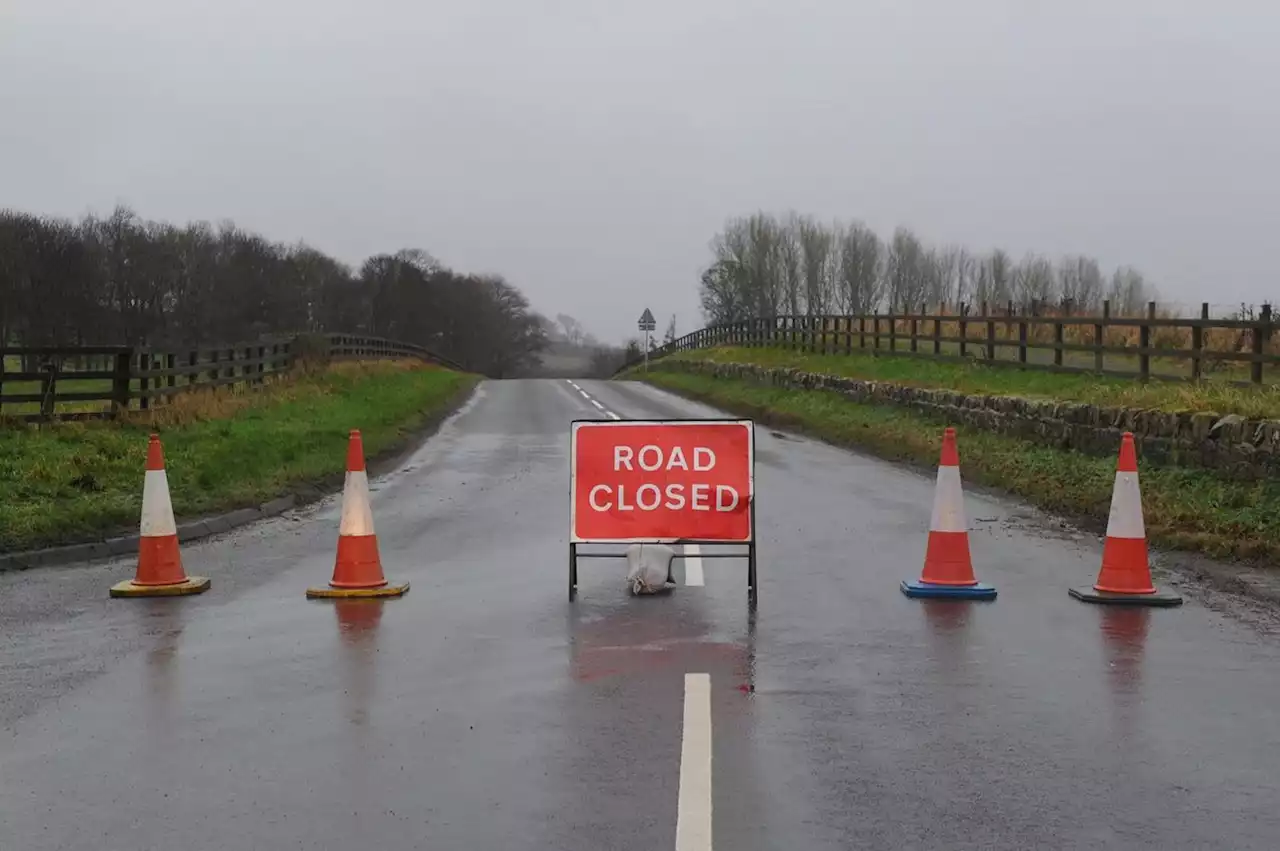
x,y
78,481
1260,402
1184,508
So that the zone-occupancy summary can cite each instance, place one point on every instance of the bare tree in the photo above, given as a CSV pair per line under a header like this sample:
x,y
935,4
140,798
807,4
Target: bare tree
x,y
573,331
815,251
1033,282
860,283
1129,291
670,336
1079,283
787,263
906,271
966,266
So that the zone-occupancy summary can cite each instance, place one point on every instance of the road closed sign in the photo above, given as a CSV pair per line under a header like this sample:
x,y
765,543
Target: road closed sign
x,y
668,480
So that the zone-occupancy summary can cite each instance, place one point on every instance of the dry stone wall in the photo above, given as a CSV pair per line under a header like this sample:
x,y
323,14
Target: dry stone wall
x,y
1231,444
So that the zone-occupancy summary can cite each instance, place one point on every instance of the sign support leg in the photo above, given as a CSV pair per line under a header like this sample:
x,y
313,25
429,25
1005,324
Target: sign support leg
x,y
573,571
753,594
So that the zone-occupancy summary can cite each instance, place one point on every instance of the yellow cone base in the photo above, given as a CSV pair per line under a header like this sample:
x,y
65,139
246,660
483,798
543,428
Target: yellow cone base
x,y
192,585
328,592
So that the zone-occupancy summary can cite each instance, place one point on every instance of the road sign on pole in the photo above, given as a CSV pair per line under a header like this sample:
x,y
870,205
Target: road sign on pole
x,y
662,481
647,324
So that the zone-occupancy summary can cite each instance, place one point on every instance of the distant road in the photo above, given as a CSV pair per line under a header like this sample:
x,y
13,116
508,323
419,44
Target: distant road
x,y
484,711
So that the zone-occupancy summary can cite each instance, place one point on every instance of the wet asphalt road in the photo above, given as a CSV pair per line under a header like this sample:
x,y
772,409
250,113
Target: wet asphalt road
x,y
483,711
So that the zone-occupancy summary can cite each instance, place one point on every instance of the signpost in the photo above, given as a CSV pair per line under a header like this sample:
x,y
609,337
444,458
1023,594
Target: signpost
x,y
648,325
662,481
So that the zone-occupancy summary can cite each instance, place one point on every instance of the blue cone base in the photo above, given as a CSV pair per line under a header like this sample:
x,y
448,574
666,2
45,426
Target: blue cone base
x,y
928,591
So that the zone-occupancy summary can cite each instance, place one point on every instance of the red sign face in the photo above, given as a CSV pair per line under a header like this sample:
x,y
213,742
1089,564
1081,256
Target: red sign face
x,y
662,481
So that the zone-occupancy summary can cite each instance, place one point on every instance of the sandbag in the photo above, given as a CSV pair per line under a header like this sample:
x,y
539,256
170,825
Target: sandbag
x,y
648,568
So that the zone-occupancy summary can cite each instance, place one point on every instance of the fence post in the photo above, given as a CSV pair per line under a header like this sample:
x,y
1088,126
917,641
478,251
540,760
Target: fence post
x,y
893,331
1022,340
964,331
262,367
49,389
1099,337
937,328
1144,342
145,361
1261,332
915,328
120,383
991,333
193,359
862,331
875,329
1197,344
1057,344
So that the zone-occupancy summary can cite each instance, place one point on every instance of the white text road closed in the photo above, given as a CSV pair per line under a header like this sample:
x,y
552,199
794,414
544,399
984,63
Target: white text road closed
x,y
662,480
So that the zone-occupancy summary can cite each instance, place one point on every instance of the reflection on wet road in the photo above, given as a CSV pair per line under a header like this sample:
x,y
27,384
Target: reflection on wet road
x,y
484,711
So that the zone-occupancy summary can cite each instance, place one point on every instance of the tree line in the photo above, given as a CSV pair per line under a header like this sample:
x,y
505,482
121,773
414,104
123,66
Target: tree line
x,y
764,265
121,280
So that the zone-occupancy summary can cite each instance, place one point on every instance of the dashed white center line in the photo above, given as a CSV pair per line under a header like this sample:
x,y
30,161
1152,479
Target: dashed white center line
x,y
587,396
693,566
693,809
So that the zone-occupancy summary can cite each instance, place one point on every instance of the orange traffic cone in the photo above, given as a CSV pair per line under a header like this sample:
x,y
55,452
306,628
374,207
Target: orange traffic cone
x,y
357,571
159,572
1126,573
948,567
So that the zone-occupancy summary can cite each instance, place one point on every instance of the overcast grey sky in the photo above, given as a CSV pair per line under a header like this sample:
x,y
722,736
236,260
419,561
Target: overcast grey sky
x,y
589,149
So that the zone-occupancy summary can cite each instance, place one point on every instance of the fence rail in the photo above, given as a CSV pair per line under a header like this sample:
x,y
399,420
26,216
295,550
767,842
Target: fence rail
x,y
125,378
1145,347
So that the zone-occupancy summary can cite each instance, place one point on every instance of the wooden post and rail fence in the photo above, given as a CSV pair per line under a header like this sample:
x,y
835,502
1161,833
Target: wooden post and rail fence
x,y
1144,347
69,380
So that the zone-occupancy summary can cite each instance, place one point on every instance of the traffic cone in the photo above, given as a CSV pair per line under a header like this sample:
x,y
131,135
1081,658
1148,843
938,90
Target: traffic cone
x,y
159,572
357,571
948,567
1125,576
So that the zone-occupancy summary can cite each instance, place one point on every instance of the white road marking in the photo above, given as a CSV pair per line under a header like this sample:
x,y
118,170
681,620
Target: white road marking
x,y
587,396
693,810
693,566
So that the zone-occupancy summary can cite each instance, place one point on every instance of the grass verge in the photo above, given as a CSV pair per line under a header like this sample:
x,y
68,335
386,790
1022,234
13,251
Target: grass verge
x,y
1224,398
1184,508
223,449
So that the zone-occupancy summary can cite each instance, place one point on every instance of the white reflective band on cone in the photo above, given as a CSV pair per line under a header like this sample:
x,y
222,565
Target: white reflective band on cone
x,y
157,510
1125,520
948,502
357,517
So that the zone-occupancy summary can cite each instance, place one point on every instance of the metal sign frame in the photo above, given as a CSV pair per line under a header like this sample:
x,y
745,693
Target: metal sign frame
x,y
749,542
